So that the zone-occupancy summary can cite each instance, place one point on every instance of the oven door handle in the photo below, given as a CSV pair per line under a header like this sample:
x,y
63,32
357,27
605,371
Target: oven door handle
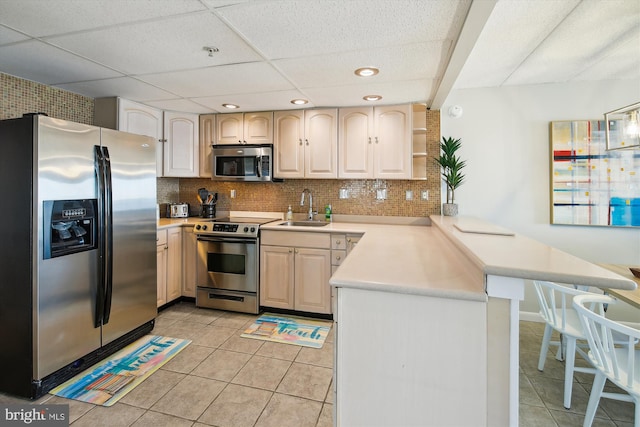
x,y
226,240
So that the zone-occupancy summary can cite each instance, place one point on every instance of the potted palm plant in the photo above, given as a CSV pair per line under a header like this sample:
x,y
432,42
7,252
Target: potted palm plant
x,y
451,166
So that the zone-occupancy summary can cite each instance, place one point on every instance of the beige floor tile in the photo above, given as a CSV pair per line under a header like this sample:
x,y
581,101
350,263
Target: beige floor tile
x,y
236,406
156,419
109,416
184,329
535,416
235,320
307,381
262,372
76,407
204,315
152,389
565,418
222,365
190,357
214,336
551,391
164,321
528,394
279,351
317,356
326,416
289,411
331,336
242,345
329,398
189,398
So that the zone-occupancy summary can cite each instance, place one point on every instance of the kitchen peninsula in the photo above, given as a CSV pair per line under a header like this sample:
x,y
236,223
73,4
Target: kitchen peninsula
x,y
427,321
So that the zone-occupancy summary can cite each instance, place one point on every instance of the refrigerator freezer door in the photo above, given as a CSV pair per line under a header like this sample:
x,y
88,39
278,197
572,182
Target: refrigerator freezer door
x,y
65,286
133,179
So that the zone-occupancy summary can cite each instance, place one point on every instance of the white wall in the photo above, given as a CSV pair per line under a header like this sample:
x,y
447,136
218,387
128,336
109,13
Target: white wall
x,y
505,140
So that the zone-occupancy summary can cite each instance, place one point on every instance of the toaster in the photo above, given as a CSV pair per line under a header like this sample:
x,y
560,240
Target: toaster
x,y
178,210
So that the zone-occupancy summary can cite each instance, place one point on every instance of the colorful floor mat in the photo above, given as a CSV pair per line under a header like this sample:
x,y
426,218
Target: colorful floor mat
x,y
289,330
108,381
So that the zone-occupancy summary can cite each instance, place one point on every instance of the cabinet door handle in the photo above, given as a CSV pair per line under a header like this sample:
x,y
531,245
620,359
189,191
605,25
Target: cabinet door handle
x,y
349,240
296,251
369,140
307,141
300,141
290,250
338,242
376,139
337,257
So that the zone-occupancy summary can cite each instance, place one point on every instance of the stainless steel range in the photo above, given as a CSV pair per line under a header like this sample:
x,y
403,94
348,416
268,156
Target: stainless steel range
x,y
228,263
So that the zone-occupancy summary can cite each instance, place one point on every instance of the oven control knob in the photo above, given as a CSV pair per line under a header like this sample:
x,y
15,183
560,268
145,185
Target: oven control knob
x,y
204,227
246,229
198,227
253,229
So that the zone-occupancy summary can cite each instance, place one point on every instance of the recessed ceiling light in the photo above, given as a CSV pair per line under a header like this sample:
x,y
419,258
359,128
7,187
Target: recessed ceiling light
x,y
231,106
372,98
366,71
299,101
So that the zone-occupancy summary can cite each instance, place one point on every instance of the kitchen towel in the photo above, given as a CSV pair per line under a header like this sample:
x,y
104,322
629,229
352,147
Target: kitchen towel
x,y
108,381
289,330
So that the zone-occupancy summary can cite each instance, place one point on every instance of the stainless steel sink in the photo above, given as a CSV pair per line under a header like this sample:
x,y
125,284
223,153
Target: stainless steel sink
x,y
306,223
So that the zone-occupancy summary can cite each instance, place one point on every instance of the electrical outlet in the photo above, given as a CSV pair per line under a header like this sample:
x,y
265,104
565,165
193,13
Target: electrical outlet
x,y
381,194
408,195
425,195
233,194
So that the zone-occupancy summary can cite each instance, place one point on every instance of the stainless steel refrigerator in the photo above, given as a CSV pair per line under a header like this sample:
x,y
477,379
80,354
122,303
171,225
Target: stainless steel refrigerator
x,y
77,249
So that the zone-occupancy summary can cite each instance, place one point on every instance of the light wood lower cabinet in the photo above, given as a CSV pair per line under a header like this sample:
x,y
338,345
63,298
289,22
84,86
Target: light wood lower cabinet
x,y
169,264
295,268
189,259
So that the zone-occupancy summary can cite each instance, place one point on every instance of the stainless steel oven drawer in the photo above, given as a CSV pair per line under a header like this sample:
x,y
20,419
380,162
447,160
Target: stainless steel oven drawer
x,y
227,300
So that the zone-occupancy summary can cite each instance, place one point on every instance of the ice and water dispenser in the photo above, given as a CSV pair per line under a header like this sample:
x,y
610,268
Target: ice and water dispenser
x,y
70,226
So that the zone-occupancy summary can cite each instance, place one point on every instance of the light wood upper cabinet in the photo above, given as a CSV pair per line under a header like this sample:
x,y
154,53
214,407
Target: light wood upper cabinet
x,y
181,157
207,138
375,142
288,144
245,128
306,143
355,143
128,116
393,155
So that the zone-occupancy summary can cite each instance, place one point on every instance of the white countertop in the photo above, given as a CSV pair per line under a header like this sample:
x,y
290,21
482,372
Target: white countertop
x,y
448,259
501,254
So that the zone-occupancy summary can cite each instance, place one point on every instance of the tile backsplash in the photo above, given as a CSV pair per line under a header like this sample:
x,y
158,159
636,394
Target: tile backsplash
x,y
21,96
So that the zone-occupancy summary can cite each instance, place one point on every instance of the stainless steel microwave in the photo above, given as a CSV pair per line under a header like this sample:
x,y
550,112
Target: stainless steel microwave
x,y
242,162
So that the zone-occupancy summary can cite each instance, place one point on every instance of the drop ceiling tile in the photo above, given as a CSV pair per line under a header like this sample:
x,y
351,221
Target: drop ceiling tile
x,y
40,62
125,87
181,105
170,44
408,62
42,18
584,37
7,35
495,57
294,28
223,80
392,93
260,101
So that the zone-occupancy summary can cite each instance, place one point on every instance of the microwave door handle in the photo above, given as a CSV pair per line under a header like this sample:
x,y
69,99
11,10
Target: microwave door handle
x,y
259,166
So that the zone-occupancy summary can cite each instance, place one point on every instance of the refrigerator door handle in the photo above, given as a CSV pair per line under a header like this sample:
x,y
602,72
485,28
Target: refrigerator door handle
x,y
100,293
108,260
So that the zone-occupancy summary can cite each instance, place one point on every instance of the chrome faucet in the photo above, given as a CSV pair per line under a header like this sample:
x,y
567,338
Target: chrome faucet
x,y
306,190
